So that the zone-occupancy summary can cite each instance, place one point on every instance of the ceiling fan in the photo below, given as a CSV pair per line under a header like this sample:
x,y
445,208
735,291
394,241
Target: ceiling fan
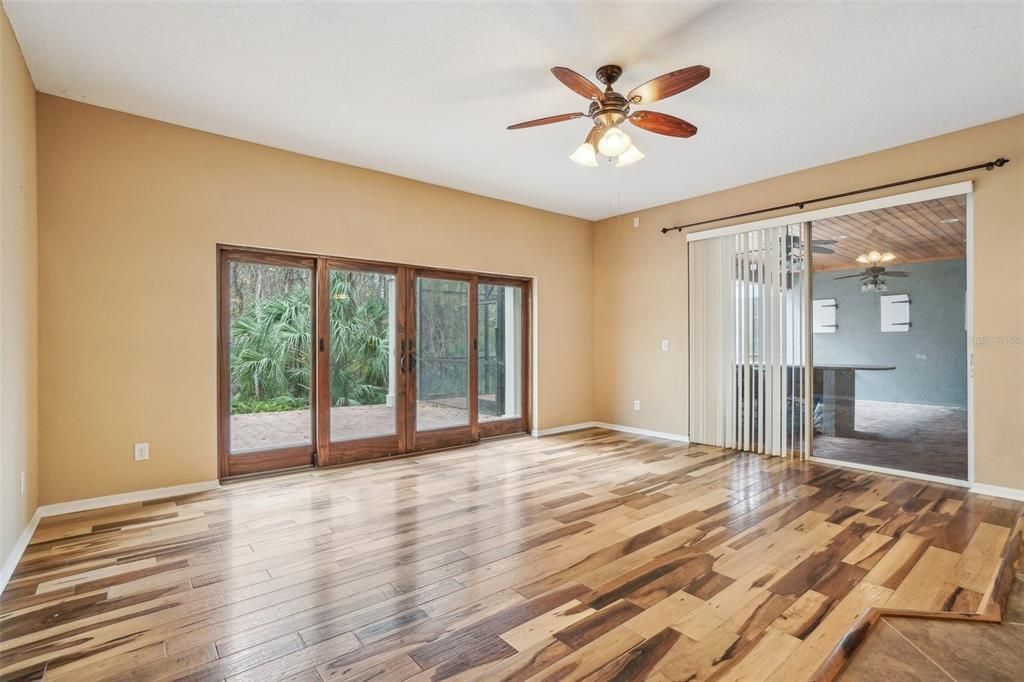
x,y
608,109
796,255
871,277
795,245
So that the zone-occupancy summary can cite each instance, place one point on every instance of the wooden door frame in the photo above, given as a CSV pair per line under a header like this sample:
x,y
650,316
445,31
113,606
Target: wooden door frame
x,y
434,439
409,440
276,458
330,453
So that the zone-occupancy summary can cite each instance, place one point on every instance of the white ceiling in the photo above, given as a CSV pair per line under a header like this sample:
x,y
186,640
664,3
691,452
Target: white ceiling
x,y
425,90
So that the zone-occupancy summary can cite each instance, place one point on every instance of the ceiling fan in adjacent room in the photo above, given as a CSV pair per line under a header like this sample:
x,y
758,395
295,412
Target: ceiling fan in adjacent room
x,y
796,254
608,109
871,279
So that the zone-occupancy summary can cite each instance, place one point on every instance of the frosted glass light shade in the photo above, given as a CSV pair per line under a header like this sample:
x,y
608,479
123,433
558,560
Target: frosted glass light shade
x,y
585,155
631,155
613,142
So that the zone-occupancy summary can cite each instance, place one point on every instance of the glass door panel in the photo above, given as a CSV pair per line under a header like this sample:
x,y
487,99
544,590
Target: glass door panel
x,y
499,350
362,367
267,330
441,360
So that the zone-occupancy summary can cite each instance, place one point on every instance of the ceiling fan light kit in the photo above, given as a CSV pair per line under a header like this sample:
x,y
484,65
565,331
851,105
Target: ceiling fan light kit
x,y
631,155
585,155
875,257
613,142
609,109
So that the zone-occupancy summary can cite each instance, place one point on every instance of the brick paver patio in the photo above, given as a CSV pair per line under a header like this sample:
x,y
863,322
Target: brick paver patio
x,y
265,430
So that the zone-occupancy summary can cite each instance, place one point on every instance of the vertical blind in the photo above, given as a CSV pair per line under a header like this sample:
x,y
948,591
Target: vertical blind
x,y
748,346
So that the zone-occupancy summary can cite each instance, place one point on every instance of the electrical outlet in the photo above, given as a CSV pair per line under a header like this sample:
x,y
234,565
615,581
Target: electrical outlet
x,y
141,451
636,405
23,484
664,344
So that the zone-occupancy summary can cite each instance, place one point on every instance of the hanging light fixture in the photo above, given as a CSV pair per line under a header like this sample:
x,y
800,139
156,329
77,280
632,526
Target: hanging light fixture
x,y
614,142
610,142
630,156
609,109
875,257
585,155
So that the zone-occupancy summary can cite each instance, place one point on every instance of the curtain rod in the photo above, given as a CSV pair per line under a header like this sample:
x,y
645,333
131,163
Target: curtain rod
x,y
988,165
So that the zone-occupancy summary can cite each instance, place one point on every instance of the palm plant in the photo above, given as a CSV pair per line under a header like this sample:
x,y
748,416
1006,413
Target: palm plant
x,y
270,342
360,351
271,339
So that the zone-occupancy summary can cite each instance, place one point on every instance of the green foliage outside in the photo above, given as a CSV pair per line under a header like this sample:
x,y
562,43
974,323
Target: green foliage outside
x,y
271,338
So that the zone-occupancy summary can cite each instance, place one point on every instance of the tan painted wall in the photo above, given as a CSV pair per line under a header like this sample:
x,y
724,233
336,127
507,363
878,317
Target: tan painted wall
x,y
640,286
18,303
129,212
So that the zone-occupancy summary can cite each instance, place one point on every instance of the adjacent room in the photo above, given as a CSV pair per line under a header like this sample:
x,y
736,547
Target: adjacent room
x,y
677,341
890,346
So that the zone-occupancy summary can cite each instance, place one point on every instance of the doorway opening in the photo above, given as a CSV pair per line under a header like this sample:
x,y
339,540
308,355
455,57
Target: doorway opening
x,y
890,345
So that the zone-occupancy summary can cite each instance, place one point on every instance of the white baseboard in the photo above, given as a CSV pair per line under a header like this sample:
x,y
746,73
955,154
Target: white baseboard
x,y
86,505
998,491
611,427
890,472
11,562
682,438
977,488
540,433
125,498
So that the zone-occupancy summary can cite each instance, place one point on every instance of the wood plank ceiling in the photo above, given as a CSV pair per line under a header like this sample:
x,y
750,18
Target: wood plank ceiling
x,y
918,232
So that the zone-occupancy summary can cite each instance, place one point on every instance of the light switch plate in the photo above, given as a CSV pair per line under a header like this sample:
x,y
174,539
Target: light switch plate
x,y
636,405
664,344
636,221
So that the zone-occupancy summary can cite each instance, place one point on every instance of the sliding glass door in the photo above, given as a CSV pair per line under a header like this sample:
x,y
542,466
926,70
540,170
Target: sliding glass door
x,y
440,361
360,381
267,380
890,343
327,361
501,321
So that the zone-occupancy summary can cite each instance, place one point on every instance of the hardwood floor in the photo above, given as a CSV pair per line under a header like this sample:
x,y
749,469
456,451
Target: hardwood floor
x,y
593,555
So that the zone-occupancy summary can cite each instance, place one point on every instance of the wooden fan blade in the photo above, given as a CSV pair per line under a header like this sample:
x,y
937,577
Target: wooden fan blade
x,y
546,120
663,124
668,84
859,274
821,249
896,273
577,83
823,241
